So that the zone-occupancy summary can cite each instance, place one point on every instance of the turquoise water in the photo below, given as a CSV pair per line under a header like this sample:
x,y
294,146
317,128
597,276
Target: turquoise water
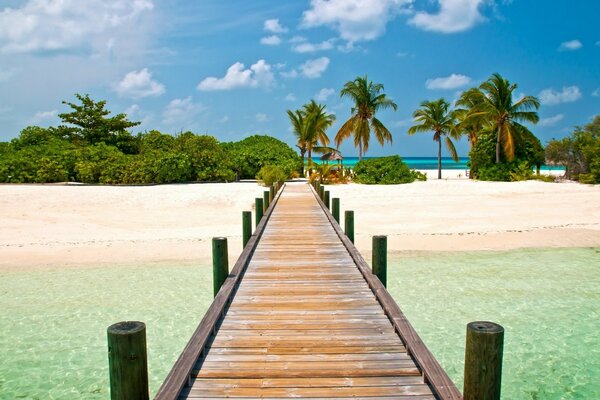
x,y
427,163
547,300
53,337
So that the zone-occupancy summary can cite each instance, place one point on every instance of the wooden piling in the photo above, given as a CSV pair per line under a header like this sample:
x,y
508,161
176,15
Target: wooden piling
x,y
379,258
483,361
246,227
128,361
258,205
335,209
327,199
349,224
266,195
321,192
220,263
271,193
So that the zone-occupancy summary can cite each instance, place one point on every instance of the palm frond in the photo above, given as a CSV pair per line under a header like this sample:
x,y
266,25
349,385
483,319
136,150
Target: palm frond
x,y
451,148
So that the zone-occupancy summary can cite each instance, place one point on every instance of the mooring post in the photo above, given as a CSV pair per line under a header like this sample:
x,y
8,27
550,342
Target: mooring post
x,y
258,205
220,263
379,259
322,193
349,224
327,199
483,361
128,361
271,193
266,195
335,209
246,227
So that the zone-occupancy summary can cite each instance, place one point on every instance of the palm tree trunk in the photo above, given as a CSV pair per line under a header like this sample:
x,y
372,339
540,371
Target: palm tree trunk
x,y
302,155
498,144
439,158
360,151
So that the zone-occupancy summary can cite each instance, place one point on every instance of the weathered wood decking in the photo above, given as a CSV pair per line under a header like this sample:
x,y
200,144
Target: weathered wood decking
x,y
302,316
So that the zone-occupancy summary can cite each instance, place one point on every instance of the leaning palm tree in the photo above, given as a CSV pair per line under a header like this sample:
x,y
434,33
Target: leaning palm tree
x,y
496,106
300,129
469,121
436,116
368,99
318,121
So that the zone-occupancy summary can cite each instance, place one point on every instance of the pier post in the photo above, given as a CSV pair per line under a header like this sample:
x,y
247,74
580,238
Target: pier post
x,y
246,227
327,199
335,209
379,259
128,361
349,224
258,205
220,263
271,193
266,195
321,192
483,361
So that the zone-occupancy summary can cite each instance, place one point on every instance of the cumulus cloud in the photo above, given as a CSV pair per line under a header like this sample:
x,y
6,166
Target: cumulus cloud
x,y
314,68
571,45
272,40
307,47
452,16
273,25
568,94
354,20
44,115
181,111
290,97
238,76
324,94
551,121
453,81
138,84
60,25
260,117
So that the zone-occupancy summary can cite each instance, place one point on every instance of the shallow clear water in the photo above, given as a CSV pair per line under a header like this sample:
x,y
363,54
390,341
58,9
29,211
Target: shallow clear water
x,y
547,300
53,324
53,321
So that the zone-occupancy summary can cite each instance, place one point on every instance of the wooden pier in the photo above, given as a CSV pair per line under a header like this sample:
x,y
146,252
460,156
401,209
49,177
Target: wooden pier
x,y
301,315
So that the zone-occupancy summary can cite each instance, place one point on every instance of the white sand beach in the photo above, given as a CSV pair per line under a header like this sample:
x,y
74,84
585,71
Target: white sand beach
x,y
74,225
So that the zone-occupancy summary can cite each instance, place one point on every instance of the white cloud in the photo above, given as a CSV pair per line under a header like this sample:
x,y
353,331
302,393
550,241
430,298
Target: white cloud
x,y
138,84
307,47
290,74
237,76
181,111
324,94
596,93
273,25
449,82
272,40
453,16
355,20
290,97
298,39
568,94
314,68
260,117
571,45
59,25
551,121
44,115
132,110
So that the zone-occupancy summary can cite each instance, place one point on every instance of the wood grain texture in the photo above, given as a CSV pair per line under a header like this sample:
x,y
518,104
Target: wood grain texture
x,y
301,320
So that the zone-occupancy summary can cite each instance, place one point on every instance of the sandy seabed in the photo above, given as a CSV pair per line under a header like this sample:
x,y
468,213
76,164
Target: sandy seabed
x,y
76,225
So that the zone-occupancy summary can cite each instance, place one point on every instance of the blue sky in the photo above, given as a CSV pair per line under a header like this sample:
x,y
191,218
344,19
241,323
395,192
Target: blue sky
x,y
232,68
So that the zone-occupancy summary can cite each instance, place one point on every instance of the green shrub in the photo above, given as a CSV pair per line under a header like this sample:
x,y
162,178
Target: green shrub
x,y
522,172
270,174
384,170
419,176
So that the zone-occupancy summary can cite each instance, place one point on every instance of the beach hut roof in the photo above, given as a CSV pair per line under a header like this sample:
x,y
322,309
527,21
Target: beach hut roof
x,y
332,156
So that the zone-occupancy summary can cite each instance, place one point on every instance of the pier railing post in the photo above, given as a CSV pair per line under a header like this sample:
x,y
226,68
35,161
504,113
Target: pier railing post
x,y
483,361
326,200
271,193
128,361
335,209
266,195
246,227
258,205
349,224
321,192
379,259
220,263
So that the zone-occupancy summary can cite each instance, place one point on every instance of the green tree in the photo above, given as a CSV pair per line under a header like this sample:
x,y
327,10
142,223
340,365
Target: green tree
x,y
368,100
91,124
436,116
495,103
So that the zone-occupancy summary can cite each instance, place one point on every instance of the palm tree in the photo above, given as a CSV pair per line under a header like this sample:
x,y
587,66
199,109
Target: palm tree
x,y
496,105
368,99
470,123
436,116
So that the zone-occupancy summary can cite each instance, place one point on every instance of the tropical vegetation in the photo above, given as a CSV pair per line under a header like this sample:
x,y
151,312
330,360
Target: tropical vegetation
x,y
386,171
368,99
